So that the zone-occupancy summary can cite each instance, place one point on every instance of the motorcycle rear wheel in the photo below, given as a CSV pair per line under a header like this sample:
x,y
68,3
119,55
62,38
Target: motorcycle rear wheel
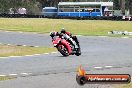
x,y
78,53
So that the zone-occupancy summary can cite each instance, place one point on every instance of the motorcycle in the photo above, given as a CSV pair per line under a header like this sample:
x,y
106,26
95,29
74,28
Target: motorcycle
x,y
64,47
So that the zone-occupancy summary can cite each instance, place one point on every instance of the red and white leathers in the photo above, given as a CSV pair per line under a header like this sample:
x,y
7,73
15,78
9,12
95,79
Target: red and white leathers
x,y
68,36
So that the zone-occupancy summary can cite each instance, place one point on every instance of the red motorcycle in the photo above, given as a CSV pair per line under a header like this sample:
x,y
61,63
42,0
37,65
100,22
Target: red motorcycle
x,y
64,47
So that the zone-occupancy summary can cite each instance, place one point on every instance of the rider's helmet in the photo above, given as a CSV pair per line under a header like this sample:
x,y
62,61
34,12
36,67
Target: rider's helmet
x,y
63,30
52,34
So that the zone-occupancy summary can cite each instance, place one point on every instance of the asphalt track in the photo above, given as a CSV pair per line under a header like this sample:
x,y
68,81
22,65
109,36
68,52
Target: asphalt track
x,y
99,55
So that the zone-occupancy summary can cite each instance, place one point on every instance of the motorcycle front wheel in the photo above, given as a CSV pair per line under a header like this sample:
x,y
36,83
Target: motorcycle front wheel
x,y
63,50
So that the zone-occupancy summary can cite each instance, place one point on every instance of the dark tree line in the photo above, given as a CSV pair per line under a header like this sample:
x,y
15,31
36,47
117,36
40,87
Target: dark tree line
x,y
118,4
123,5
36,5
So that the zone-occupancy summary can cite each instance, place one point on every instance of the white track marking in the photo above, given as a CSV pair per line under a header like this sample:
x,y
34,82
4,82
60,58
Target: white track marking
x,y
7,31
13,74
14,56
4,57
20,45
24,73
108,66
21,32
124,37
46,53
8,44
36,54
36,46
2,75
24,45
98,67
28,55
54,52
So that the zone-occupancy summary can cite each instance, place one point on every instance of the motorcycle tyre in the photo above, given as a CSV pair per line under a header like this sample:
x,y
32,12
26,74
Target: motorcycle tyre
x,y
62,52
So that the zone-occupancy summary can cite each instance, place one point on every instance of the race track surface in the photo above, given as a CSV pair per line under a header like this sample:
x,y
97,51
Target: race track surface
x,y
99,55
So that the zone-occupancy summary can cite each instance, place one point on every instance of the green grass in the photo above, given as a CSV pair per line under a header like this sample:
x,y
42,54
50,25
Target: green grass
x,y
2,78
83,27
23,50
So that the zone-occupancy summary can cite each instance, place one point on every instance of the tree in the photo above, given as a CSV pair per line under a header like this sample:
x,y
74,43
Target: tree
x,y
116,4
122,6
4,6
130,6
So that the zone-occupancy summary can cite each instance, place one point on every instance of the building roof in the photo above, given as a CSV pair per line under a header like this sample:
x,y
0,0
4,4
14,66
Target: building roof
x,y
49,8
86,3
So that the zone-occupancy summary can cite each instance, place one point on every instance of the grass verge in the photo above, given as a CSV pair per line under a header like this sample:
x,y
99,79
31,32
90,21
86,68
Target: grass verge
x,y
2,78
11,50
80,27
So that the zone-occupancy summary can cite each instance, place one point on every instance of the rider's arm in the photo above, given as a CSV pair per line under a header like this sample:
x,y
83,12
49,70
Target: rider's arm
x,y
68,33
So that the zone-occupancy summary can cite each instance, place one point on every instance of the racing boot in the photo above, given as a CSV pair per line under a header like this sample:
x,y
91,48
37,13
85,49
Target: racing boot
x,y
76,41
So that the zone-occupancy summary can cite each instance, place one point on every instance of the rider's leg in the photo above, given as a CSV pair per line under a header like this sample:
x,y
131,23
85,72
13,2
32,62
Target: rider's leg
x,y
70,40
73,42
76,40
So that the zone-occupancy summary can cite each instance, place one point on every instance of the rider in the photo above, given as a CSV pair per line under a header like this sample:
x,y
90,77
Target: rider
x,y
52,34
68,36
